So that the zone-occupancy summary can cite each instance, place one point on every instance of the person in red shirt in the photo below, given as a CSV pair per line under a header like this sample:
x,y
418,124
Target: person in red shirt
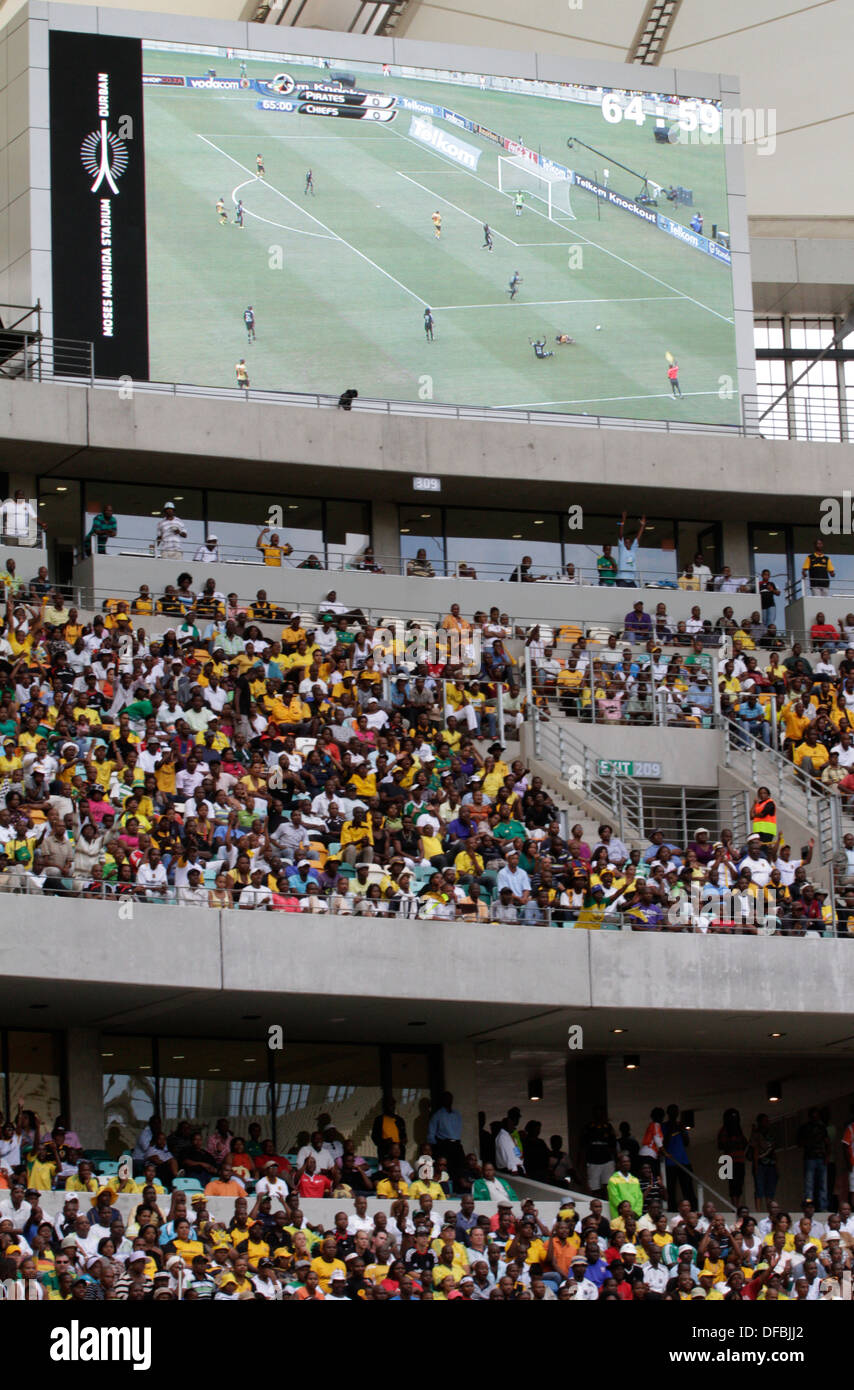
x,y
310,1183
268,1156
823,631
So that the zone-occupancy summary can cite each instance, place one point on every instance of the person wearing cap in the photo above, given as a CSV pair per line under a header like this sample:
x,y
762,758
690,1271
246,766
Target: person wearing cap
x,y
208,551
338,1288
586,1290
170,532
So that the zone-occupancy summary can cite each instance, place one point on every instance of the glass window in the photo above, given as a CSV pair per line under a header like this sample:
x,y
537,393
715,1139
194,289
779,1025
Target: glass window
x,y
34,1073
769,550
410,1085
813,334
202,1080
348,531
138,510
840,548
421,528
129,1090
768,333
313,1080
699,538
236,519
494,542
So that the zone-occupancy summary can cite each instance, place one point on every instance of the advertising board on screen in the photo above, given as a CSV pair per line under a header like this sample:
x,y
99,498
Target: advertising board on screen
x,y
305,224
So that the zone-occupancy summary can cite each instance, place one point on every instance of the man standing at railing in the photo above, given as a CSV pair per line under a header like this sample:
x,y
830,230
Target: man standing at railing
x,y
818,569
170,532
627,555
103,528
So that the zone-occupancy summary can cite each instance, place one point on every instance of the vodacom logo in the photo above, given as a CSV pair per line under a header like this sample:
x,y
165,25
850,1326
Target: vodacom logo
x,y
104,157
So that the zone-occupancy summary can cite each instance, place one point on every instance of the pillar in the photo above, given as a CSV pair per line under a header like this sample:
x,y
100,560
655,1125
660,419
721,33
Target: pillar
x,y
461,1080
385,534
736,548
586,1088
85,1112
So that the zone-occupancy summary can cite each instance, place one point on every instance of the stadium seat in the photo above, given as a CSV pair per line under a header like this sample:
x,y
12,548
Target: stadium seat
x,y
186,1185
108,1168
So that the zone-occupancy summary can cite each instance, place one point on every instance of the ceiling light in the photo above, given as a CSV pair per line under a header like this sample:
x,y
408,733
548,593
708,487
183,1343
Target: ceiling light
x,y
776,1035
539,523
631,1061
535,1088
108,1054
62,489
425,516
517,536
774,1090
404,530
250,1059
293,506
618,1030
212,1069
178,1056
687,1118
176,498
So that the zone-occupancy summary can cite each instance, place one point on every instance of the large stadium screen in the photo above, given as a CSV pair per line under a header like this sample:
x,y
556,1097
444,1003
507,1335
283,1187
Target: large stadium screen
x,y
308,224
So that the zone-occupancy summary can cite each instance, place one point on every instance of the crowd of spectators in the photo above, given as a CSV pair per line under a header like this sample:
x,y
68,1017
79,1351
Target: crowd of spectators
x,y
429,1243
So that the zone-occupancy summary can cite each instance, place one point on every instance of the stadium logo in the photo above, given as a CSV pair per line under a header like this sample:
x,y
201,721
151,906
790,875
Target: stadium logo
x,y
104,157
282,83
458,150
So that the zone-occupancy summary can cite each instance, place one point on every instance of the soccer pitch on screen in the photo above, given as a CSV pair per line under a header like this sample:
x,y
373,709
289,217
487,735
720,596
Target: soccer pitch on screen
x,y
339,275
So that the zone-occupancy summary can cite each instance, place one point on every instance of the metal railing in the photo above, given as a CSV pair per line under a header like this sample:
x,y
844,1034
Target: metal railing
x,y
672,917
802,796
821,415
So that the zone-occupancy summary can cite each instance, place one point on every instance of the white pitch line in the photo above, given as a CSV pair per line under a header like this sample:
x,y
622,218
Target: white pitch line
x,y
579,236
598,400
470,215
300,231
419,298
540,303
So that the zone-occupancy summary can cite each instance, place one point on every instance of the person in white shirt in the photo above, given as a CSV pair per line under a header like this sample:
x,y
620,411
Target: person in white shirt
x,y
360,1221
151,878
170,532
16,1209
756,864
19,519
586,1291
256,896
318,1151
508,1156
193,894
208,551
272,1185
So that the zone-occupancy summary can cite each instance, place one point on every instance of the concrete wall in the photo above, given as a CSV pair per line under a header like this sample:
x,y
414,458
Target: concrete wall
x,y
196,441
121,576
84,942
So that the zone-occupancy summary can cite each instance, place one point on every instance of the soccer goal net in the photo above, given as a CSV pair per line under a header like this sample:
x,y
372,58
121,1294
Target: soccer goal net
x,y
518,175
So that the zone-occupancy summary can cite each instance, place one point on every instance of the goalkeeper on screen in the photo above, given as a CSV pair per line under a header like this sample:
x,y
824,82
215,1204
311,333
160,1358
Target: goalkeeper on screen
x,y
519,200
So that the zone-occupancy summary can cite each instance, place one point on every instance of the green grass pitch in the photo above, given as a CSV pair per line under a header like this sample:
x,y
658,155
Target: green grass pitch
x,y
339,281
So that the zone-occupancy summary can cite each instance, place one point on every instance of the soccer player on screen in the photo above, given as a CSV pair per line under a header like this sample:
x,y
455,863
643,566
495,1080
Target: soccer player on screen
x,y
249,321
520,203
221,212
487,238
242,374
436,219
309,183
673,378
238,216
513,287
428,325
259,164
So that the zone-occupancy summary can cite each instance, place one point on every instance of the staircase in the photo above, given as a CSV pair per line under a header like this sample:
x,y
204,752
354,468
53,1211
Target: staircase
x,y
750,763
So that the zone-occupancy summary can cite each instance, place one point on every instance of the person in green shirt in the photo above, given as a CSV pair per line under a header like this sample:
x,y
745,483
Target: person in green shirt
x,y
606,566
509,829
623,1186
103,528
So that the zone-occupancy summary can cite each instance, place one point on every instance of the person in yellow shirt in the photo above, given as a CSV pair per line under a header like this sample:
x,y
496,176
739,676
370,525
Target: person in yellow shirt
x,y
357,837
42,1165
183,1243
272,550
10,759
811,756
392,1185
326,1263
